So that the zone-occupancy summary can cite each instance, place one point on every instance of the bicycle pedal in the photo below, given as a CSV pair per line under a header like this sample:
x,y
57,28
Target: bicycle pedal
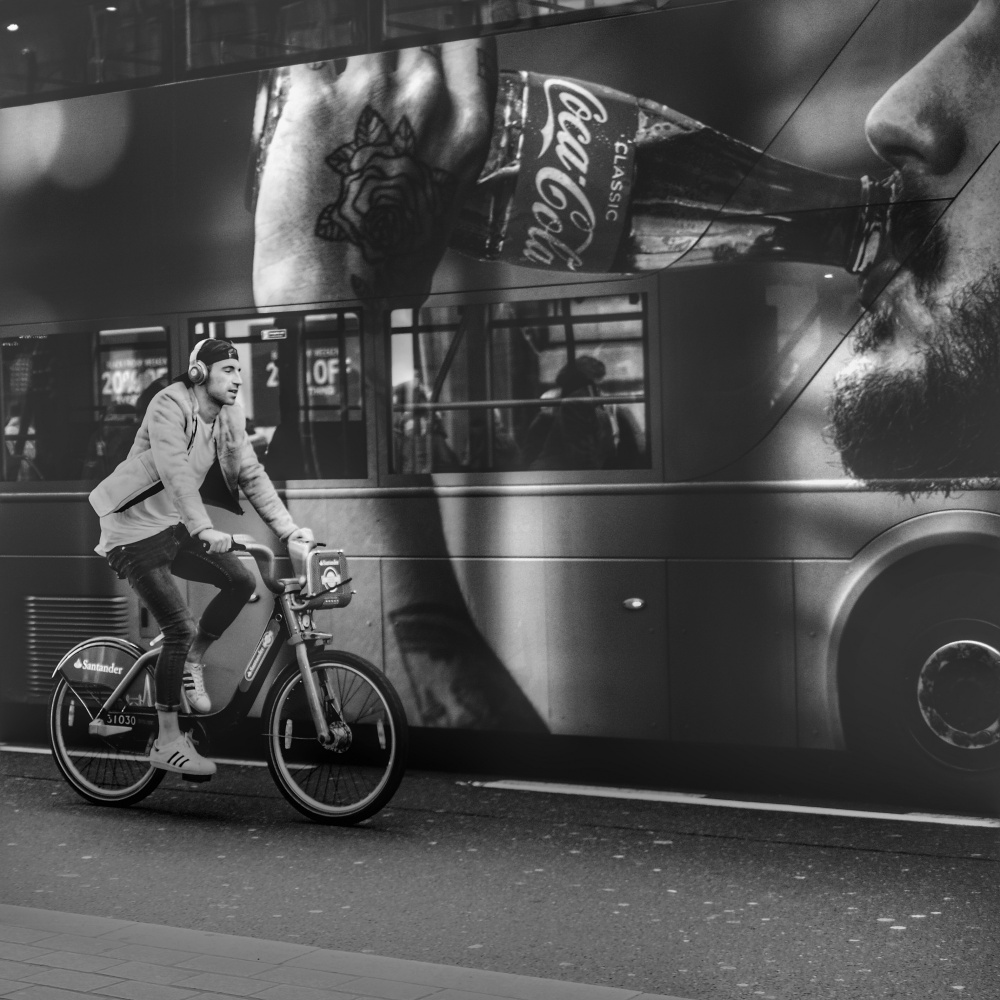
x,y
196,777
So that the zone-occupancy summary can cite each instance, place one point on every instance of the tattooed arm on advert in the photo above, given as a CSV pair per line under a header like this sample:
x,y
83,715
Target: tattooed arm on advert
x,y
360,174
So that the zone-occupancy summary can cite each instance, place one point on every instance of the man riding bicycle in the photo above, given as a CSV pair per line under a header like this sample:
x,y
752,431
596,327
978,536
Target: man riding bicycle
x,y
191,445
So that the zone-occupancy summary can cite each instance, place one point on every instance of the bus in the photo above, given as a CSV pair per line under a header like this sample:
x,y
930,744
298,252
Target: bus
x,y
593,516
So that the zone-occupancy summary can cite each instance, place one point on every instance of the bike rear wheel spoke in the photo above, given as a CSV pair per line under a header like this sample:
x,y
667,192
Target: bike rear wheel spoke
x,y
107,770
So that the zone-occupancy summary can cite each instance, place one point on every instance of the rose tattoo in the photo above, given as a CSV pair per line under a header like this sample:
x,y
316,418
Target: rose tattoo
x,y
390,204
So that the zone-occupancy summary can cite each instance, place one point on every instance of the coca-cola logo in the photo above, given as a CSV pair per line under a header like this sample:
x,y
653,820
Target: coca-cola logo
x,y
563,213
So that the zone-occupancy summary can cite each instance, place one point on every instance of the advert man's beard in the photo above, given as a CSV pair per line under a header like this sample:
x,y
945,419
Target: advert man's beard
x,y
936,424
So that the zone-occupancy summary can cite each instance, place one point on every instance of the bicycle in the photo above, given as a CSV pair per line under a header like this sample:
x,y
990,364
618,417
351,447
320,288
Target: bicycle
x,y
334,727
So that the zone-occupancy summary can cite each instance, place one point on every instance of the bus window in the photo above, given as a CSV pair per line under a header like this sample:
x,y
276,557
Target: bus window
x,y
61,424
302,391
247,32
540,385
241,32
409,18
63,47
332,415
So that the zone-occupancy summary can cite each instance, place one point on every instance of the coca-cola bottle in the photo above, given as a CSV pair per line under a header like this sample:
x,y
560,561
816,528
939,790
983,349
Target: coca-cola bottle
x,y
584,178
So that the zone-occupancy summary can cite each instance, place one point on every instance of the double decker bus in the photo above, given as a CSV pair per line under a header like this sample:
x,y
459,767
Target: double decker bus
x,y
594,516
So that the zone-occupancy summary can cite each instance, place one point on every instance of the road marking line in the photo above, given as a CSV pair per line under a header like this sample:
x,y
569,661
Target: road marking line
x,y
651,795
14,748
695,799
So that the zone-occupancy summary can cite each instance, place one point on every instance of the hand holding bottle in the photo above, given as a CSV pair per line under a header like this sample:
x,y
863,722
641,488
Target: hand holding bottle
x,y
359,176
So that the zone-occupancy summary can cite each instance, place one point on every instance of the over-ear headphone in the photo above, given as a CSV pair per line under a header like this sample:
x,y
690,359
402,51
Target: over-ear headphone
x,y
197,370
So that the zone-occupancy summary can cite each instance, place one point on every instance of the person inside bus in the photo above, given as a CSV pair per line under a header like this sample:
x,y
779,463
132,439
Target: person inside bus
x,y
572,436
111,441
191,448
921,399
19,450
419,440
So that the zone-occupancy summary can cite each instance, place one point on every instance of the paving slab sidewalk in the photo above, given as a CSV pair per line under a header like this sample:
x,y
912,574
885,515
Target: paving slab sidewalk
x,y
49,955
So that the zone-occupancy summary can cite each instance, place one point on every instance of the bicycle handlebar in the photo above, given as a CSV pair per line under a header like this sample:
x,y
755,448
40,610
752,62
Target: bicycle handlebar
x,y
264,557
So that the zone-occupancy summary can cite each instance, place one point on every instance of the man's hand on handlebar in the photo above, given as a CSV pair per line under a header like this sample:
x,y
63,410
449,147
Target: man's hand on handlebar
x,y
300,535
215,541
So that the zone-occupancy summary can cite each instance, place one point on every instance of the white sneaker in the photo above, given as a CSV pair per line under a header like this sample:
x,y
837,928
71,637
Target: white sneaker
x,y
193,688
180,756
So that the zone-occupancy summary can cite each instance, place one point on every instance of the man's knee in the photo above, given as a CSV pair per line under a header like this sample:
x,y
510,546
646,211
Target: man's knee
x,y
243,585
182,630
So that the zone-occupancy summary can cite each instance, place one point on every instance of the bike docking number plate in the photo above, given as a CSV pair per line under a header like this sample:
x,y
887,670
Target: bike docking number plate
x,y
327,579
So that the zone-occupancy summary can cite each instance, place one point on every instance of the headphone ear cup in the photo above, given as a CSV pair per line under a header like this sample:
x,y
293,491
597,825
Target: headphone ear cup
x,y
197,372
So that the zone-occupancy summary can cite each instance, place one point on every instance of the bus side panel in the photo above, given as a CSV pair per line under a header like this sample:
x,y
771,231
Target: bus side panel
x,y
545,644
47,605
54,592
816,581
591,666
44,527
358,627
732,652
446,672
606,664
511,606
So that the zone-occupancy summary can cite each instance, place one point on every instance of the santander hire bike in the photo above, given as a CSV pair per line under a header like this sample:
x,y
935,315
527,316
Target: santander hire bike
x,y
334,728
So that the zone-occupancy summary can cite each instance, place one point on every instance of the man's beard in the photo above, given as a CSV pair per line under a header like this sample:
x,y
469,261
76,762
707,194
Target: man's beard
x,y
935,426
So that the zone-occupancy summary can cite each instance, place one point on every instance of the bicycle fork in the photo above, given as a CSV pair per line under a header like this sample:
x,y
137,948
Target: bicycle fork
x,y
334,735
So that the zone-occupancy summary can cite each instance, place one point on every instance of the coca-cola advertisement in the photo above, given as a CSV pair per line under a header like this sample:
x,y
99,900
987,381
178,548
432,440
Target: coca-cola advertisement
x,y
624,145
656,343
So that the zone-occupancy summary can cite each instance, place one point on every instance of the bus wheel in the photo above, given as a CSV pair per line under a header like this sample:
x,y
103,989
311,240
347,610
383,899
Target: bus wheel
x,y
919,673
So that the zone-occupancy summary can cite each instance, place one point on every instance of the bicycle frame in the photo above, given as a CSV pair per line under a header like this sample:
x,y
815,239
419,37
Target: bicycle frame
x,y
290,624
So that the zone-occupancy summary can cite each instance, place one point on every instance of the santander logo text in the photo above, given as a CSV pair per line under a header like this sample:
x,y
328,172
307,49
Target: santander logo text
x,y
97,668
563,213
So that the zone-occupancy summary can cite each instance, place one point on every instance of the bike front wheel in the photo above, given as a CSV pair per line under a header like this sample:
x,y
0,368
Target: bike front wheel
x,y
111,770
356,775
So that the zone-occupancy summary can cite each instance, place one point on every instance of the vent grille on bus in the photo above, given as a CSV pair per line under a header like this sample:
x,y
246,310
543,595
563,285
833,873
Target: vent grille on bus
x,y
56,624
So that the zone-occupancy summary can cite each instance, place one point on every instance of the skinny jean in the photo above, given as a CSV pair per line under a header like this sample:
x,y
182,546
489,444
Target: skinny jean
x,y
150,566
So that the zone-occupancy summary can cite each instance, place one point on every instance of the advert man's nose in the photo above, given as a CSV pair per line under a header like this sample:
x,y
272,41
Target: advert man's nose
x,y
916,125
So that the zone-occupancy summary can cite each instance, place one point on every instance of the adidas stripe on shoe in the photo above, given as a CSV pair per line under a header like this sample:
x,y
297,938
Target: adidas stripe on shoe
x,y
180,757
193,688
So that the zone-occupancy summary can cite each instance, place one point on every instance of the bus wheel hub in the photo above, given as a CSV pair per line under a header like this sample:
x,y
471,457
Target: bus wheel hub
x,y
958,691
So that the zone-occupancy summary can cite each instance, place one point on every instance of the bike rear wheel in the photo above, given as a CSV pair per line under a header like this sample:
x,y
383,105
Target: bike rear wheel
x,y
345,785
112,770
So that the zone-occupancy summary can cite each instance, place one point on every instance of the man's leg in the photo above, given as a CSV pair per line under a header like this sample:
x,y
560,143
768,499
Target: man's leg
x,y
235,584
172,750
158,591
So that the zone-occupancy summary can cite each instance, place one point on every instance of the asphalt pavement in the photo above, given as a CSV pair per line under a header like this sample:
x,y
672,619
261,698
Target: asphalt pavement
x,y
662,898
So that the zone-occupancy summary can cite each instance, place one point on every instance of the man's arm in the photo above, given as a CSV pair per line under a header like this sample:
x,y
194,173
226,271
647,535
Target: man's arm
x,y
362,173
260,492
168,440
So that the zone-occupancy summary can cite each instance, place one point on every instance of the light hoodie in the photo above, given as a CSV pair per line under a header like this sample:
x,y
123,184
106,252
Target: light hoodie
x,y
159,460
